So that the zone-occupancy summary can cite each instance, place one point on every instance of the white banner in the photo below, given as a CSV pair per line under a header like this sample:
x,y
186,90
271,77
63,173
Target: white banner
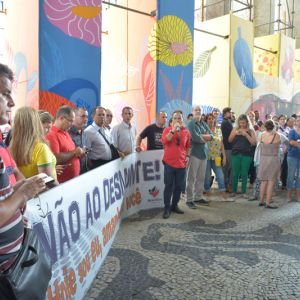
x,y
77,221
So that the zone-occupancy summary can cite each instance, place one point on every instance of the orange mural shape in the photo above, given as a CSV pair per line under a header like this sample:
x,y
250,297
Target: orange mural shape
x,y
51,102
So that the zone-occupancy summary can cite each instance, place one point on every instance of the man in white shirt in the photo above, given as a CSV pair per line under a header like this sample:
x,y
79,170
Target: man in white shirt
x,y
123,135
98,139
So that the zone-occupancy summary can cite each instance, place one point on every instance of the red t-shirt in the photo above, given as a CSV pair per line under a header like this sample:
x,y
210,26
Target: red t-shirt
x,y
61,141
175,150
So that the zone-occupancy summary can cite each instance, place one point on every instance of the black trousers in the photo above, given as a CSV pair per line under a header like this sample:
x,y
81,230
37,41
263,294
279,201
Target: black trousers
x,y
284,171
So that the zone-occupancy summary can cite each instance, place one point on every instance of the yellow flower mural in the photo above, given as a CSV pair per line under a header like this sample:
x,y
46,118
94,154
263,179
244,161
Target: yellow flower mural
x,y
171,42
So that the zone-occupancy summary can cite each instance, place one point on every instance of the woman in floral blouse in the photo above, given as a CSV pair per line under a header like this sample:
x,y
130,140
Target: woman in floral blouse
x,y
214,161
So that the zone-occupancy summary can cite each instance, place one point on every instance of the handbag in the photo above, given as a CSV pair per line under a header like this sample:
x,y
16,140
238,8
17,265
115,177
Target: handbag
x,y
114,151
29,275
256,158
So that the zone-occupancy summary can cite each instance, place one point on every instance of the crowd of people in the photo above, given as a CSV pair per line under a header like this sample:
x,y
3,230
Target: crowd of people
x,y
264,154
265,151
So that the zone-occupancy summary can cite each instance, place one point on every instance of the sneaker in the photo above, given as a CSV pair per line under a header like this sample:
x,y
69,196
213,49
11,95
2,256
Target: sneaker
x,y
166,214
271,206
177,210
201,202
183,197
191,205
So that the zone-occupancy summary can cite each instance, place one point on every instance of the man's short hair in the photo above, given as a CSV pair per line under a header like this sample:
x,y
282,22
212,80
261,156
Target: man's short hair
x,y
126,107
64,110
6,72
95,108
177,112
77,109
226,110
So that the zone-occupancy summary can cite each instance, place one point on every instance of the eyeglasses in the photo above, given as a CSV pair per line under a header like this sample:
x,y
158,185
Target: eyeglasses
x,y
69,120
109,116
177,140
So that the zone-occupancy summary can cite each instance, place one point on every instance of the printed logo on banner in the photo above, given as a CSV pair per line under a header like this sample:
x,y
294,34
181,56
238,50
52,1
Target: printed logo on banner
x,y
154,192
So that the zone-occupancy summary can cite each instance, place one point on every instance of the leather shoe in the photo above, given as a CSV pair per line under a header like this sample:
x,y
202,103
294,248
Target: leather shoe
x,y
177,210
166,214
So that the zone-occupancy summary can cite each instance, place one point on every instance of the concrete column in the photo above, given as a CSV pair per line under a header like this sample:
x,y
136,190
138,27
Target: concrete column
x,y
263,13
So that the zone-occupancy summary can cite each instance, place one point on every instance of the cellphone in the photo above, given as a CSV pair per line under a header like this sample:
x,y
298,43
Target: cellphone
x,y
48,180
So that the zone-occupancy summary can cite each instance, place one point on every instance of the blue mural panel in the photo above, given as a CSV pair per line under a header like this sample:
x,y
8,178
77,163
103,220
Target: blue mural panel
x,y
70,52
173,38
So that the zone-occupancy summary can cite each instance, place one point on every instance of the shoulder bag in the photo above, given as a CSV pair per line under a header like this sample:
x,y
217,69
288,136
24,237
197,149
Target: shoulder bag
x,y
28,277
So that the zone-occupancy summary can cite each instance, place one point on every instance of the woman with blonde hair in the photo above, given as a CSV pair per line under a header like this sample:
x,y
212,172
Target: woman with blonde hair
x,y
28,146
242,138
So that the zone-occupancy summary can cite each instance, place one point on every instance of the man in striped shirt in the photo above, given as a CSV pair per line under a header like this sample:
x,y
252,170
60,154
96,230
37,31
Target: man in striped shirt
x,y
12,197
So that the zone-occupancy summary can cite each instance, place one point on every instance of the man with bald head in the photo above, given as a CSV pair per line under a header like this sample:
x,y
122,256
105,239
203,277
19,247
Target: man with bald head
x,y
200,135
108,120
153,133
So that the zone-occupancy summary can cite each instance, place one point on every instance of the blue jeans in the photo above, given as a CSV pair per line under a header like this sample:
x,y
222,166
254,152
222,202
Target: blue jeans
x,y
174,182
211,165
293,178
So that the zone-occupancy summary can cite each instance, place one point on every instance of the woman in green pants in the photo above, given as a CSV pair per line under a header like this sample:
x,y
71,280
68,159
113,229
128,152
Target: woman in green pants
x,y
242,138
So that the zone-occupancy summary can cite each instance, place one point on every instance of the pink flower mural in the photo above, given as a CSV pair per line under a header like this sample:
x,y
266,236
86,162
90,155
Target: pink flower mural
x,y
80,19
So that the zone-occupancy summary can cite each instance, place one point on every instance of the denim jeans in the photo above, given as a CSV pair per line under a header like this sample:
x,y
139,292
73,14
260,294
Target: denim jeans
x,y
174,182
293,178
211,165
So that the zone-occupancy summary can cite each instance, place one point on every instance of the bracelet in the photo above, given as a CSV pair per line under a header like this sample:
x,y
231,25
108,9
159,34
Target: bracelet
x,y
172,132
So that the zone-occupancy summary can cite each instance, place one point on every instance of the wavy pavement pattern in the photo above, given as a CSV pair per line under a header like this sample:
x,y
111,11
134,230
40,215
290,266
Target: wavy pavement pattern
x,y
80,19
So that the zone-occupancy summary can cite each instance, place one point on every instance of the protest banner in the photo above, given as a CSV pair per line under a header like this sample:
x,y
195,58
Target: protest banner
x,y
78,220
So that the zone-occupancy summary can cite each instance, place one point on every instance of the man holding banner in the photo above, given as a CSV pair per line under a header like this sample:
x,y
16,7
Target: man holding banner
x,y
176,141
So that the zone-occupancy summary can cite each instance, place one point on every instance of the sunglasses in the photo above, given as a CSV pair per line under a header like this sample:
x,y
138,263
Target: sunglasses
x,y
177,140
109,116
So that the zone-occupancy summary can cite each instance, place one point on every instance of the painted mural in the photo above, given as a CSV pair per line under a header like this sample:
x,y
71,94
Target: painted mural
x,y
128,74
16,52
173,50
171,42
211,64
68,76
266,55
242,81
278,90
202,63
242,58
